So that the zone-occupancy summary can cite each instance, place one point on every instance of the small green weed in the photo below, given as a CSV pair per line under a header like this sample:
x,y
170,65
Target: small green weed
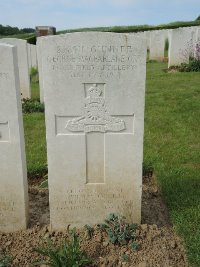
x,y
68,254
89,231
44,184
5,260
119,232
135,245
32,105
125,257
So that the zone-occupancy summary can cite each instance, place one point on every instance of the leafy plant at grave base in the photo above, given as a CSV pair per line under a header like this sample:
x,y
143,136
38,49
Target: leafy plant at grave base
x,y
192,66
44,184
5,260
68,254
135,245
119,232
89,231
125,257
32,105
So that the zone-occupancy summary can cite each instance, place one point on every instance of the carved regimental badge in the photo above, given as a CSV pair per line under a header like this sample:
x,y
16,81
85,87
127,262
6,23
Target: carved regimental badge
x,y
96,117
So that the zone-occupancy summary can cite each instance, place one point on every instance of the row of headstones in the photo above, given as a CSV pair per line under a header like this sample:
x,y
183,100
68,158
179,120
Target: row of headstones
x,y
183,44
32,56
93,86
94,113
27,58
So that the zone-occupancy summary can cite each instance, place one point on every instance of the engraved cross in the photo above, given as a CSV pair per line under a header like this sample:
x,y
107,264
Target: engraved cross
x,y
96,123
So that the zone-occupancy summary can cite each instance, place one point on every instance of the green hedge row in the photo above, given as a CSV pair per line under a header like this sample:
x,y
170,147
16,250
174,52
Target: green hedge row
x,y
31,38
136,28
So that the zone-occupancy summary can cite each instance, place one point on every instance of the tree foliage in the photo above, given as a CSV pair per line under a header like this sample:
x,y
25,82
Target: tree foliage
x,y
8,30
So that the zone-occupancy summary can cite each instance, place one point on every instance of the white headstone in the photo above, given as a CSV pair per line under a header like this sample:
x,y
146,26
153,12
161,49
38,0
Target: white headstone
x,y
179,46
94,103
197,44
33,56
157,45
39,55
23,65
13,178
193,31
29,56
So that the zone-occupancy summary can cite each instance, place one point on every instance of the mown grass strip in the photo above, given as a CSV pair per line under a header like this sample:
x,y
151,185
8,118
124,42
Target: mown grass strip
x,y
172,127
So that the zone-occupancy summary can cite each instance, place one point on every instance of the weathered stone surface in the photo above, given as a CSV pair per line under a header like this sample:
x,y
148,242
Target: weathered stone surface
x,y
33,56
180,46
39,61
22,54
157,44
13,179
197,44
94,102
29,56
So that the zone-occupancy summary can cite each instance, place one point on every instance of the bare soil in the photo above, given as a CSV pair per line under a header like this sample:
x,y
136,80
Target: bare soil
x,y
159,245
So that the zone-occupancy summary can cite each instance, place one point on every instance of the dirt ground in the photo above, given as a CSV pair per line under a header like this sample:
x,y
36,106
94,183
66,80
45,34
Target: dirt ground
x,y
159,245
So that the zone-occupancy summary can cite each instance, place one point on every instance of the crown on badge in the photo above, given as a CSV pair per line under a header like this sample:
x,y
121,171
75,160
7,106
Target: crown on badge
x,y
94,90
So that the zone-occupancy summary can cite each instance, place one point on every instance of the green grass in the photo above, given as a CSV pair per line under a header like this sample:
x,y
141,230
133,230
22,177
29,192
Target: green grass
x,y
35,94
34,128
35,139
171,146
172,130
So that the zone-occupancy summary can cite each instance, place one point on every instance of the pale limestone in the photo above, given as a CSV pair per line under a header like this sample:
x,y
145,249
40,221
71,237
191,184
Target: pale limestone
x,y
29,56
157,44
13,177
180,43
23,65
197,44
193,31
94,106
33,56
39,61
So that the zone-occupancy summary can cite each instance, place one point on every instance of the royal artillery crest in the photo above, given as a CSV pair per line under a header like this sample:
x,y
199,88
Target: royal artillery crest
x,y
96,118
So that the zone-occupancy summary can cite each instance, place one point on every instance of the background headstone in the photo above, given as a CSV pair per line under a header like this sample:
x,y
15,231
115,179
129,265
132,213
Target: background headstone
x,y
29,56
94,105
179,46
22,54
33,56
197,44
193,31
13,177
39,61
157,45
